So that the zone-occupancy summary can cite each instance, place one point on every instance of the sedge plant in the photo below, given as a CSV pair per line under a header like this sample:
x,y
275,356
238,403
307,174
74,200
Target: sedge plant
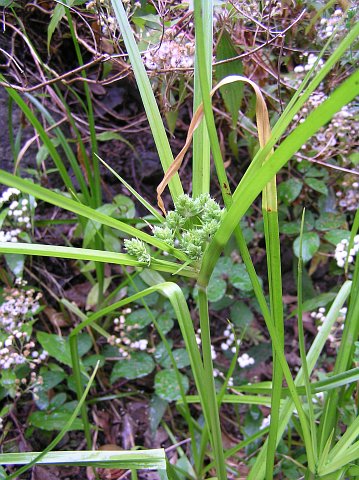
x,y
194,234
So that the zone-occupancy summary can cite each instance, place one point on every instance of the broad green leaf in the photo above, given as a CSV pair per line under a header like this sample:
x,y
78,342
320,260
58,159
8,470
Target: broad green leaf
x,y
171,117
239,278
316,172
317,185
138,365
109,135
125,206
139,318
180,356
59,347
92,296
166,386
161,352
15,263
57,401
216,289
289,190
165,322
3,215
112,243
8,381
329,221
158,407
217,286
241,315
50,379
92,227
336,236
232,94
54,420
354,158
289,228
310,245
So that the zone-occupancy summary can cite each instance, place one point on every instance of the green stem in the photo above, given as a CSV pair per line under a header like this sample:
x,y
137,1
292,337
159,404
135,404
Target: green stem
x,y
96,178
211,397
96,184
201,169
76,368
202,48
302,348
344,357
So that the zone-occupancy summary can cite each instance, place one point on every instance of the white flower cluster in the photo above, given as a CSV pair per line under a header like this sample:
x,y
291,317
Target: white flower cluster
x,y
245,360
319,315
10,235
17,307
18,214
270,8
348,196
336,330
341,251
339,136
199,342
218,373
175,51
16,347
308,64
314,101
17,350
328,25
123,342
230,340
8,194
106,17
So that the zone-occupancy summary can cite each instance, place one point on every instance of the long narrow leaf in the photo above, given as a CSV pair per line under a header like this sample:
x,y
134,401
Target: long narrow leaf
x,y
201,147
148,99
258,470
88,254
250,186
137,459
84,211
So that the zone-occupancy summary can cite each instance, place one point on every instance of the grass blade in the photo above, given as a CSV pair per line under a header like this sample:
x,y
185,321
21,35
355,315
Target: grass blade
x,y
89,254
84,211
303,355
255,179
258,470
148,98
144,202
201,169
137,459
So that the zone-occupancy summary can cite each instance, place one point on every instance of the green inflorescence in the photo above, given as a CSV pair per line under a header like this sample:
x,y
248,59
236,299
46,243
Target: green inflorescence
x,y
188,228
138,249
